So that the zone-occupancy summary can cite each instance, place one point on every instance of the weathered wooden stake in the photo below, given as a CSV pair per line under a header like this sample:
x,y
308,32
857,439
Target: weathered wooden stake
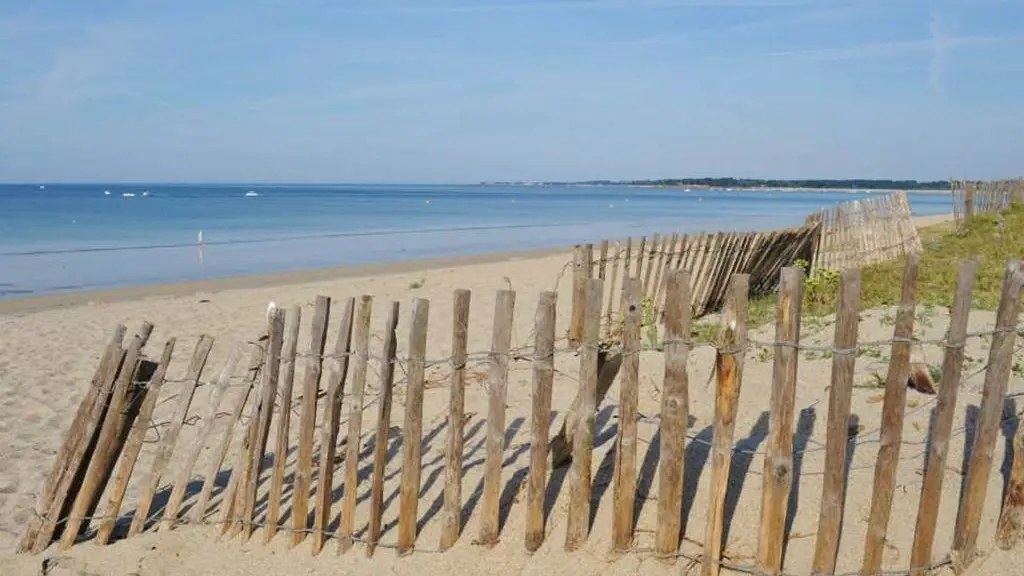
x,y
380,450
543,378
219,386
210,477
891,435
833,493
293,321
778,462
582,267
105,454
170,438
732,348
307,419
578,525
935,471
336,377
1000,359
361,353
498,384
261,429
133,445
611,292
58,487
412,445
624,489
451,514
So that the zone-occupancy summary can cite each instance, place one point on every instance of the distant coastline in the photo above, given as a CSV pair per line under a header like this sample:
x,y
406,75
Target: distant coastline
x,y
754,184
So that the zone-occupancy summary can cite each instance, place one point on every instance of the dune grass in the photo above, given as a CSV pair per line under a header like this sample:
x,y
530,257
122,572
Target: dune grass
x,y
990,239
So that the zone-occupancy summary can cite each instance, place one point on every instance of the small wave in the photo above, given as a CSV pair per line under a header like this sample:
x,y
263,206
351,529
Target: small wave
x,y
283,239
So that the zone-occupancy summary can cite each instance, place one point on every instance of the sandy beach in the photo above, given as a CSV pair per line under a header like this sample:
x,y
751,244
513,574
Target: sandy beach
x,y
49,348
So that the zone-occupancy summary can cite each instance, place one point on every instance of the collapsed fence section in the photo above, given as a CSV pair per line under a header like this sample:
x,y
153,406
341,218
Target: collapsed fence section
x,y
711,259
321,489
863,232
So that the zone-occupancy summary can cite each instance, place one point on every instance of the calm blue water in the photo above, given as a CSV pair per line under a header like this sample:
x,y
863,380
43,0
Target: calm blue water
x,y
75,237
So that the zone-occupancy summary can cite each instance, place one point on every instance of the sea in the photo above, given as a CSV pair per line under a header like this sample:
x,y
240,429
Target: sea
x,y
58,238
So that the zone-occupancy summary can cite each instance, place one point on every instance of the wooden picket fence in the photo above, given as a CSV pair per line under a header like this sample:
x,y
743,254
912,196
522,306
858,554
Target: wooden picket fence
x,y
710,258
862,232
104,442
974,198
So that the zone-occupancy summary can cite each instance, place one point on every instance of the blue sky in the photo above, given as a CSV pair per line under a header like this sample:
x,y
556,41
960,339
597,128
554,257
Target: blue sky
x,y
465,90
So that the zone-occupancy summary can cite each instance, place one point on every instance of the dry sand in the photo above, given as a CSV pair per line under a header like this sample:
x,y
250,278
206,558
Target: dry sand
x,y
47,356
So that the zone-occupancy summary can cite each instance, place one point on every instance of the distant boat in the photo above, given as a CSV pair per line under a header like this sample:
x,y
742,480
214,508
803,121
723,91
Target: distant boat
x,y
128,195
42,187
146,193
199,240
252,193
106,192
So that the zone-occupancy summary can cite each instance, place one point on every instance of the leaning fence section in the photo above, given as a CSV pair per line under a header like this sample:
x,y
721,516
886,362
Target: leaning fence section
x,y
709,258
972,198
296,460
863,232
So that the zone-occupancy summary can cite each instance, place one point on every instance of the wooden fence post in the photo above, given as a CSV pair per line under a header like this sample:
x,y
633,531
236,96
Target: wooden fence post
x,y
105,454
624,490
307,419
844,358
133,446
732,348
778,461
412,443
380,450
336,378
451,515
651,262
627,260
608,320
293,321
207,420
258,449
935,470
997,376
640,253
578,524
664,269
543,377
501,342
361,353
602,260
68,460
675,411
209,478
891,434
170,438
583,265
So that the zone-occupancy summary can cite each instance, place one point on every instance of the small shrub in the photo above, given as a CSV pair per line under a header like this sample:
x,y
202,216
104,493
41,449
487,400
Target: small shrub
x,y
820,288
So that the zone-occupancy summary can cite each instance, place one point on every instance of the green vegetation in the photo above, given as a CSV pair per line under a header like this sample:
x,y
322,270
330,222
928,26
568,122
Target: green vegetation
x,y
991,240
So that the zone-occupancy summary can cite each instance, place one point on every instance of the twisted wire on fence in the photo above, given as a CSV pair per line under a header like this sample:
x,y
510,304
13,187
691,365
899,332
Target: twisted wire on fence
x,y
525,354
